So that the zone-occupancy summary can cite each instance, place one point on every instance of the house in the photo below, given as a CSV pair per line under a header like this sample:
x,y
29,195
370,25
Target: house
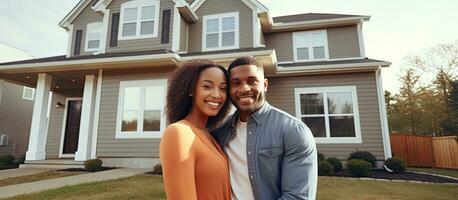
x,y
109,89
16,105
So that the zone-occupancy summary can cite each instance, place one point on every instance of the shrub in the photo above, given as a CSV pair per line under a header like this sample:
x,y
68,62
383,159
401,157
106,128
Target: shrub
x,y
395,164
6,160
363,155
20,160
325,168
358,167
157,169
335,162
93,165
321,156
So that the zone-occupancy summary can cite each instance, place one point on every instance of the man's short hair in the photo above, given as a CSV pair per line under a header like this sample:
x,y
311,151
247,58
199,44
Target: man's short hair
x,y
247,60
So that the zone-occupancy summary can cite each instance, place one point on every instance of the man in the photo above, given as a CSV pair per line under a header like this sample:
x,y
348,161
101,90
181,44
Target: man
x,y
272,155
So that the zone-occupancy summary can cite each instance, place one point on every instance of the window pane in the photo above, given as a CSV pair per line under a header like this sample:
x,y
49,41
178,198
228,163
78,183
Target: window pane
x,y
316,125
228,39
129,29
93,44
302,39
154,98
317,39
147,28
342,126
131,98
318,52
340,103
312,104
303,53
94,36
152,120
129,121
130,14
212,40
148,12
212,25
228,23
28,93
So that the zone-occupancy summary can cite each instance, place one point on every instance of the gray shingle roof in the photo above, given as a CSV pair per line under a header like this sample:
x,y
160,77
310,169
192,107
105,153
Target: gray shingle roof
x,y
310,17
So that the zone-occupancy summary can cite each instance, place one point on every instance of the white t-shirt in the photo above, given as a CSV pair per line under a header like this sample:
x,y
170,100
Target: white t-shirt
x,y
236,151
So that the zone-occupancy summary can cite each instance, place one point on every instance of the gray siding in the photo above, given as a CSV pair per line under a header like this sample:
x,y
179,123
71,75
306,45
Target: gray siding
x,y
56,119
183,35
15,119
281,95
87,16
218,7
140,44
107,145
343,42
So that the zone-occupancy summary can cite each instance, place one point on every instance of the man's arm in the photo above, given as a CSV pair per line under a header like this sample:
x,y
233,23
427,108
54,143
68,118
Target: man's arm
x,y
300,165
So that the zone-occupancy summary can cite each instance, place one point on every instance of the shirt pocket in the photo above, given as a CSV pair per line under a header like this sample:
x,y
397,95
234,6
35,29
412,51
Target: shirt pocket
x,y
270,161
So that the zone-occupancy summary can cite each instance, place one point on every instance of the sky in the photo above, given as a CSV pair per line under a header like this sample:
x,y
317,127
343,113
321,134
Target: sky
x,y
397,28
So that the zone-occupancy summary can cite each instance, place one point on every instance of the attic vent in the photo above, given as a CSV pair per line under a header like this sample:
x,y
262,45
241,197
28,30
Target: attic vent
x,y
3,140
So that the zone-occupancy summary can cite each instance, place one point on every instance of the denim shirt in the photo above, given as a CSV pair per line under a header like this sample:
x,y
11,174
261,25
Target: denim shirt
x,y
281,154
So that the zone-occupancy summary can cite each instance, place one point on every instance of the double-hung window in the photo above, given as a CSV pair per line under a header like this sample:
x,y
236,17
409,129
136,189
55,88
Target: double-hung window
x,y
28,93
310,45
220,31
141,109
139,19
331,113
93,36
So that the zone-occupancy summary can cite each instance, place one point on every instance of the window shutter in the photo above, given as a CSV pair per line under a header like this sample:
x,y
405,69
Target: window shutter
x,y
114,30
78,37
165,36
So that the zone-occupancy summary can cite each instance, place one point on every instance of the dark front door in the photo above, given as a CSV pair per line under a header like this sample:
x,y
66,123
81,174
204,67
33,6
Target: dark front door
x,y
72,126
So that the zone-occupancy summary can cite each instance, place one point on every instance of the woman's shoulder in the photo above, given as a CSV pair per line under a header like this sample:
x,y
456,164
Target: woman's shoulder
x,y
178,129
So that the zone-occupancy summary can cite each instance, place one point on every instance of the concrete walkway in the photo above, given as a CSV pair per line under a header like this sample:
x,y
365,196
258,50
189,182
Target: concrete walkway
x,y
26,188
11,173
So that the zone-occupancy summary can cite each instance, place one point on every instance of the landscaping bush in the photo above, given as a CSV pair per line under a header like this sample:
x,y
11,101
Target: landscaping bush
x,y
93,165
6,160
321,156
335,162
395,164
363,155
358,167
325,168
20,160
157,169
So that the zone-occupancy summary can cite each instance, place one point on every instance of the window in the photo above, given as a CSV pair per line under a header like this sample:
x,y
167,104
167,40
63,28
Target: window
x,y
310,45
139,19
28,93
93,36
220,31
141,109
331,113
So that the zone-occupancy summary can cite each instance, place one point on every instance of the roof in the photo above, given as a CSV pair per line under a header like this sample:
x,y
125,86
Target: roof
x,y
355,61
225,51
311,17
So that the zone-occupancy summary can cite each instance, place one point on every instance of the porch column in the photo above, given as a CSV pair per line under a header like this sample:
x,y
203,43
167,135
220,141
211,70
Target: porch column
x,y
87,118
38,133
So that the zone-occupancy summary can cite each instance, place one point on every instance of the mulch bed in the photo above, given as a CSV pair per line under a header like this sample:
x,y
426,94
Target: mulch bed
x,y
153,173
12,166
83,170
409,176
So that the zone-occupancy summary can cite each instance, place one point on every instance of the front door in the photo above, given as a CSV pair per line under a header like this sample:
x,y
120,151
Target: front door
x,y
72,127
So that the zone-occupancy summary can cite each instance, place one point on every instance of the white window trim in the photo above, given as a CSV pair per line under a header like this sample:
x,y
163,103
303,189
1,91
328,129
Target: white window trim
x,y
93,28
139,4
219,17
25,97
295,46
324,90
140,134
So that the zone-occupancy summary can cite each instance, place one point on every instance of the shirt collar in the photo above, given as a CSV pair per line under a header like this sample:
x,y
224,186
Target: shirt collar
x,y
258,116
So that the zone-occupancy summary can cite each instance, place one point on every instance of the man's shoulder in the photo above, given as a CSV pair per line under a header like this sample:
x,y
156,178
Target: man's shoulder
x,y
284,116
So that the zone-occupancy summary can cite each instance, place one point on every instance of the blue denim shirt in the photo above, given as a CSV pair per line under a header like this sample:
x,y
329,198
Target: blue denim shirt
x,y
281,154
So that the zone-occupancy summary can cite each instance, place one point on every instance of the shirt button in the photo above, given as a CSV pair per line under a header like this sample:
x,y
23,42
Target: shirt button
x,y
251,177
249,133
249,153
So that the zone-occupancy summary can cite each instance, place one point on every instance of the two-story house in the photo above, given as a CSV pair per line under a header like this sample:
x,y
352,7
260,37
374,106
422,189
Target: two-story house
x,y
109,89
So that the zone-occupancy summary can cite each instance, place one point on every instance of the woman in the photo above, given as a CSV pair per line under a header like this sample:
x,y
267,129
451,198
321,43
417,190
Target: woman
x,y
194,165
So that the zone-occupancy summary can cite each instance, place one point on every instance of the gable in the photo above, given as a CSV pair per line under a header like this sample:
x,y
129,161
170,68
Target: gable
x,y
253,4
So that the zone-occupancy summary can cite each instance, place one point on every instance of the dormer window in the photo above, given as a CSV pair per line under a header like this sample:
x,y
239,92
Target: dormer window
x,y
139,19
310,46
93,35
220,31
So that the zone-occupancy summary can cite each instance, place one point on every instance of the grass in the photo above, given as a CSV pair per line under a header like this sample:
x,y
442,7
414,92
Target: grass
x,y
150,187
36,177
445,172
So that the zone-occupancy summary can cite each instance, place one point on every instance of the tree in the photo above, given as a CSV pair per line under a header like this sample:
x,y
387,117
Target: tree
x,y
450,124
407,99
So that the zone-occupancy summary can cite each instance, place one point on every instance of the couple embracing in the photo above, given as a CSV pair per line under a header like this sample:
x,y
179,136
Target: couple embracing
x,y
259,152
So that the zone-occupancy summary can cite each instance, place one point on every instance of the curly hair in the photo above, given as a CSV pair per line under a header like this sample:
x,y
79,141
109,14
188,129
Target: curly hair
x,y
182,84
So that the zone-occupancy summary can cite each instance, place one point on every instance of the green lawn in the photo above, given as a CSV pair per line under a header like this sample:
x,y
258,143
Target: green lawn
x,y
150,187
36,177
445,172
